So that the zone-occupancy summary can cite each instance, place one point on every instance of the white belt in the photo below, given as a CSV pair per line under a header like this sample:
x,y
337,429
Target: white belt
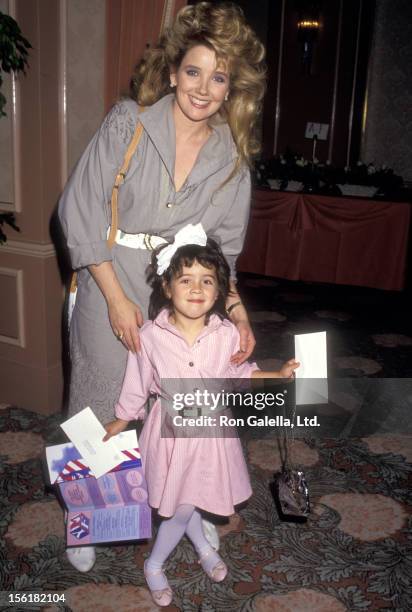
x,y
138,241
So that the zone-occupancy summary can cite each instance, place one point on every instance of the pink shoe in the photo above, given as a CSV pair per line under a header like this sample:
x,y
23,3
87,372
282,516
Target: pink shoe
x,y
218,571
162,597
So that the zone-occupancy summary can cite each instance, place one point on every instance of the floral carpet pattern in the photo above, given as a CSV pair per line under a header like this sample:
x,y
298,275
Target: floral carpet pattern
x,y
353,553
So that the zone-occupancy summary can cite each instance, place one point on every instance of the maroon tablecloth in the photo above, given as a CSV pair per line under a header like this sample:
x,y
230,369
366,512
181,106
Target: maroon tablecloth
x,y
331,240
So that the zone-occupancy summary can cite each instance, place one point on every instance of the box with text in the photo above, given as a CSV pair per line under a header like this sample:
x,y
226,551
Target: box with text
x,y
112,508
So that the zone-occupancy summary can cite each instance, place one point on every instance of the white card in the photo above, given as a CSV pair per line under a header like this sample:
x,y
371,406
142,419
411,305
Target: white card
x,y
87,433
311,376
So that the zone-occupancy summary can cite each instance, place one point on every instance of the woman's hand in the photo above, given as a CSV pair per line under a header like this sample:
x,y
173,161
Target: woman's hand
x,y
114,427
288,369
125,318
247,342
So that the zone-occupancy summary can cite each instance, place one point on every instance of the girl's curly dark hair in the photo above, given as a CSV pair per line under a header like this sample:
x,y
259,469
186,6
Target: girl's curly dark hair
x,y
210,256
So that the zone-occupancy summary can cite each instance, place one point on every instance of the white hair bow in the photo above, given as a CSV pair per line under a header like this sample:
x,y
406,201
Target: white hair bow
x,y
190,234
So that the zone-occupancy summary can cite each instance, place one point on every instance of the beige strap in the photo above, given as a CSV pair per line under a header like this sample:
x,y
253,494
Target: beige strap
x,y
73,283
117,182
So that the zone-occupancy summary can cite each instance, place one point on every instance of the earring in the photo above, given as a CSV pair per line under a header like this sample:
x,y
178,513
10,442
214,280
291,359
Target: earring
x,y
227,96
172,84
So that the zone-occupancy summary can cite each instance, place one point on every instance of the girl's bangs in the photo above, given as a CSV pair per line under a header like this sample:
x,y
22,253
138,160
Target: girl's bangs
x,y
187,257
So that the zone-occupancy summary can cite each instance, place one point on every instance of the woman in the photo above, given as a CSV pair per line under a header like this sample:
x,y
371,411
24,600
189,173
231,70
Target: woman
x,y
200,88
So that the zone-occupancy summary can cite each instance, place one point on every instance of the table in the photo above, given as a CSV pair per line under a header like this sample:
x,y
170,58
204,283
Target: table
x,y
326,239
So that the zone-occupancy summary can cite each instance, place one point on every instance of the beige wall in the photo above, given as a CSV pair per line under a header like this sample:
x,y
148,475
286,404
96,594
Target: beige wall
x,y
85,42
59,106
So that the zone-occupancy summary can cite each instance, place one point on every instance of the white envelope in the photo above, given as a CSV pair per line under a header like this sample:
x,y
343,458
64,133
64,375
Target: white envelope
x,y
86,432
126,440
59,454
311,376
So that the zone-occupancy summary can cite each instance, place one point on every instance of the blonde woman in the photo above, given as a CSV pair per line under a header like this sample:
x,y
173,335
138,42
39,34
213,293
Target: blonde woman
x,y
200,90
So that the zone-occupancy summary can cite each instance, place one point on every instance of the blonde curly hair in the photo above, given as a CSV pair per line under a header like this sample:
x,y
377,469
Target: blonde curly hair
x,y
223,29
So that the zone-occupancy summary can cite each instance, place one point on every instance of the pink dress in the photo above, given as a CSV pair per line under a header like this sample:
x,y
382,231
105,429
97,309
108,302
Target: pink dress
x,y
209,473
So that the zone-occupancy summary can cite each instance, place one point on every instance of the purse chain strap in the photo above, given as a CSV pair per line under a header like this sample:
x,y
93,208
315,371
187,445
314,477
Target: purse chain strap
x,y
289,439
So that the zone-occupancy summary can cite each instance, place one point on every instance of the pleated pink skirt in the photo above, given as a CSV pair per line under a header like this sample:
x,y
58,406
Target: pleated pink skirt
x,y
209,473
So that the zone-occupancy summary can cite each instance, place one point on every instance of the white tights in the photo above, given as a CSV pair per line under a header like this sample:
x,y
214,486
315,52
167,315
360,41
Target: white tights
x,y
187,520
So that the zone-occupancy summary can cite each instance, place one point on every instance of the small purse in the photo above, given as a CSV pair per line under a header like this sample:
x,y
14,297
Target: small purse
x,y
120,176
292,493
290,489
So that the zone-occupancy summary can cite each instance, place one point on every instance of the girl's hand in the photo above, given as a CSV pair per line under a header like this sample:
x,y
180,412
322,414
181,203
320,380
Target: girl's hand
x,y
288,369
126,318
247,342
114,427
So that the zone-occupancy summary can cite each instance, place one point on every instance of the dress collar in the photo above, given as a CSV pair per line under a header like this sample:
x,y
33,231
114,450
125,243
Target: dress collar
x,y
215,322
218,151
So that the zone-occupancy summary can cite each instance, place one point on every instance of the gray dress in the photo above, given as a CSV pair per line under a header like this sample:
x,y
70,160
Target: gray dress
x,y
98,358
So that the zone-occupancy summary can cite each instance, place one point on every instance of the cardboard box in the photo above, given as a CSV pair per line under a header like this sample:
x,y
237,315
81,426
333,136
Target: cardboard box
x,y
112,508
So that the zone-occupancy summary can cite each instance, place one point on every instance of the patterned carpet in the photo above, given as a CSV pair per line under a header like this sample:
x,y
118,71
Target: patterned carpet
x,y
353,553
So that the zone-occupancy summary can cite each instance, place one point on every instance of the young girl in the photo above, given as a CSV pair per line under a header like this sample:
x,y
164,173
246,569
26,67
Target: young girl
x,y
186,338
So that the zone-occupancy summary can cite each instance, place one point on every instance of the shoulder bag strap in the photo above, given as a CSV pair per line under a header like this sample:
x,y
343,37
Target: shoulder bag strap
x,y
119,180
120,176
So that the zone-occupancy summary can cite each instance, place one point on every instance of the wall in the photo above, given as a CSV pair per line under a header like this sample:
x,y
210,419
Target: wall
x,y
360,83
84,27
58,106
30,352
388,133
130,28
332,93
